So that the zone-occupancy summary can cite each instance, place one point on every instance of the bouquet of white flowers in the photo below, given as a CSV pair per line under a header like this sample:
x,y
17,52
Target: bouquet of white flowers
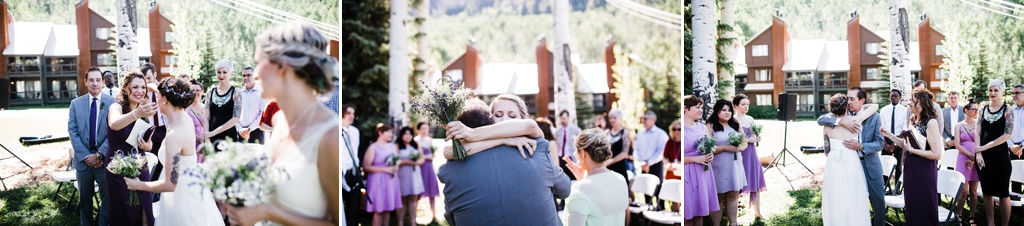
x,y
415,155
706,145
131,166
735,139
756,128
441,104
240,174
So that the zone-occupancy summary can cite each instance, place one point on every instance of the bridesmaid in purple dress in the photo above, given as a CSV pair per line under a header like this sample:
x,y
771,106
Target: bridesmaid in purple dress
x,y
382,190
751,164
699,193
196,112
964,141
430,188
122,119
919,174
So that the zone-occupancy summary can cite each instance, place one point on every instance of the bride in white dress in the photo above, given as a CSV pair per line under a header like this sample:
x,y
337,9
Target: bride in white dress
x,y
292,67
845,194
184,201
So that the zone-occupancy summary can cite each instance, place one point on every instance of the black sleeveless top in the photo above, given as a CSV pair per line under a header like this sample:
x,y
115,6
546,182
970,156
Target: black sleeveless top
x,y
221,111
995,176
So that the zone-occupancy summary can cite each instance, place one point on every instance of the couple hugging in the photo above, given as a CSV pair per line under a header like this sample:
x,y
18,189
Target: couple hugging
x,y
493,185
853,172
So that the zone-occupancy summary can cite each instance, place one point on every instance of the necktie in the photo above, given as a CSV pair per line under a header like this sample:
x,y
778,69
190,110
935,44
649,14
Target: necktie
x,y
565,135
893,120
92,123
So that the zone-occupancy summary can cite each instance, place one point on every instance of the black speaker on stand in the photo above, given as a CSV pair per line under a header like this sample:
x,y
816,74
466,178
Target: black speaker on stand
x,y
787,112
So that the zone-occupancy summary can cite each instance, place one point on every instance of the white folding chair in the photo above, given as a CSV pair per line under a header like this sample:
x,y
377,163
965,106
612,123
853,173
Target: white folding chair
x,y
888,168
948,159
645,183
895,201
671,191
64,177
949,183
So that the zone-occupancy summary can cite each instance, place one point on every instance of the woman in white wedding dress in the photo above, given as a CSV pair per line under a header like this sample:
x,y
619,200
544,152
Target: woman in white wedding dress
x,y
844,198
184,201
292,67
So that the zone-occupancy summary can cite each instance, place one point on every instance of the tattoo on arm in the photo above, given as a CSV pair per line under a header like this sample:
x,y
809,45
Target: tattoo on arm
x,y
175,168
828,146
237,99
1009,122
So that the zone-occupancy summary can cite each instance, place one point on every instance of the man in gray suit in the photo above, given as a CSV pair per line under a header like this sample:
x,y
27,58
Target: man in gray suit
x,y
951,115
87,126
868,145
498,187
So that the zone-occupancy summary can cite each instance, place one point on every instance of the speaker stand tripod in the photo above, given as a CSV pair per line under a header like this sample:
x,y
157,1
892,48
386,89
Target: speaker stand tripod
x,y
782,154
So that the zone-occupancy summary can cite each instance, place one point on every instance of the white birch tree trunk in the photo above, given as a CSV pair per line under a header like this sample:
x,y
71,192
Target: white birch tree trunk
x,y
899,70
705,85
398,65
729,18
127,54
565,90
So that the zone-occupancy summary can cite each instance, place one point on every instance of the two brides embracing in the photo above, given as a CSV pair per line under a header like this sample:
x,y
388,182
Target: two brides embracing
x,y
853,172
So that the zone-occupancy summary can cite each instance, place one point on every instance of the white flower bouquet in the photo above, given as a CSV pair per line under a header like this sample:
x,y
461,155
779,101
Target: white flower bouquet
x,y
442,103
130,166
240,175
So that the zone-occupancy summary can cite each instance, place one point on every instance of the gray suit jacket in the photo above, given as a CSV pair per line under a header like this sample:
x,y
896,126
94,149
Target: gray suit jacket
x,y
872,141
947,125
78,128
498,187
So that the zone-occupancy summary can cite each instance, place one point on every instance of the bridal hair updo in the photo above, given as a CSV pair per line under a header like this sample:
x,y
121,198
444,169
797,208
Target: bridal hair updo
x,y
596,144
300,46
837,105
177,91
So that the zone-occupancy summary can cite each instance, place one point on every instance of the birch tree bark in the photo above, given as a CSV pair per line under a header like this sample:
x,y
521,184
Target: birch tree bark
x,y
127,55
729,18
705,85
900,46
565,90
398,65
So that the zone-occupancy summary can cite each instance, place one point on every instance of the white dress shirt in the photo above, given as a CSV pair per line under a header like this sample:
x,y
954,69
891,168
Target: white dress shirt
x,y
252,108
650,145
1017,136
349,148
901,114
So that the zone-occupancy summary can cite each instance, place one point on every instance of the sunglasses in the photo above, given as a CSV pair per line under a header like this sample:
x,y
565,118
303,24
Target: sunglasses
x,y
676,130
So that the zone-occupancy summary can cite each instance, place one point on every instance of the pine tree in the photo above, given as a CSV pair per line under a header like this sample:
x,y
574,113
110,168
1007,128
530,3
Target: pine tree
x,y
364,63
629,88
883,92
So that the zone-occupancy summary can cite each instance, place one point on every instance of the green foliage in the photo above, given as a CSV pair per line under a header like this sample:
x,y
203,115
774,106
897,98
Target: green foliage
x,y
584,105
763,111
629,88
883,92
364,63
508,38
231,34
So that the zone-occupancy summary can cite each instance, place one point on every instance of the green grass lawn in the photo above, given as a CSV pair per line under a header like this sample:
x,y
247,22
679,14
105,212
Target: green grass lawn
x,y
32,205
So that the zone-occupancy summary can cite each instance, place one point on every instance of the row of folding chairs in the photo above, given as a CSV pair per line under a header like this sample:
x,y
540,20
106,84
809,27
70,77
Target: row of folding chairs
x,y
671,191
949,182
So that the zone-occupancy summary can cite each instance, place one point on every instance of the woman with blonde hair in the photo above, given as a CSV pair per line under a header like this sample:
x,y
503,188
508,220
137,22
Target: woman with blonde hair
x,y
600,196
292,67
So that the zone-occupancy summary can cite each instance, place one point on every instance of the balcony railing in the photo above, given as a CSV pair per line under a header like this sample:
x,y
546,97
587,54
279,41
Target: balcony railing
x,y
833,83
26,96
799,83
19,69
63,95
62,68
